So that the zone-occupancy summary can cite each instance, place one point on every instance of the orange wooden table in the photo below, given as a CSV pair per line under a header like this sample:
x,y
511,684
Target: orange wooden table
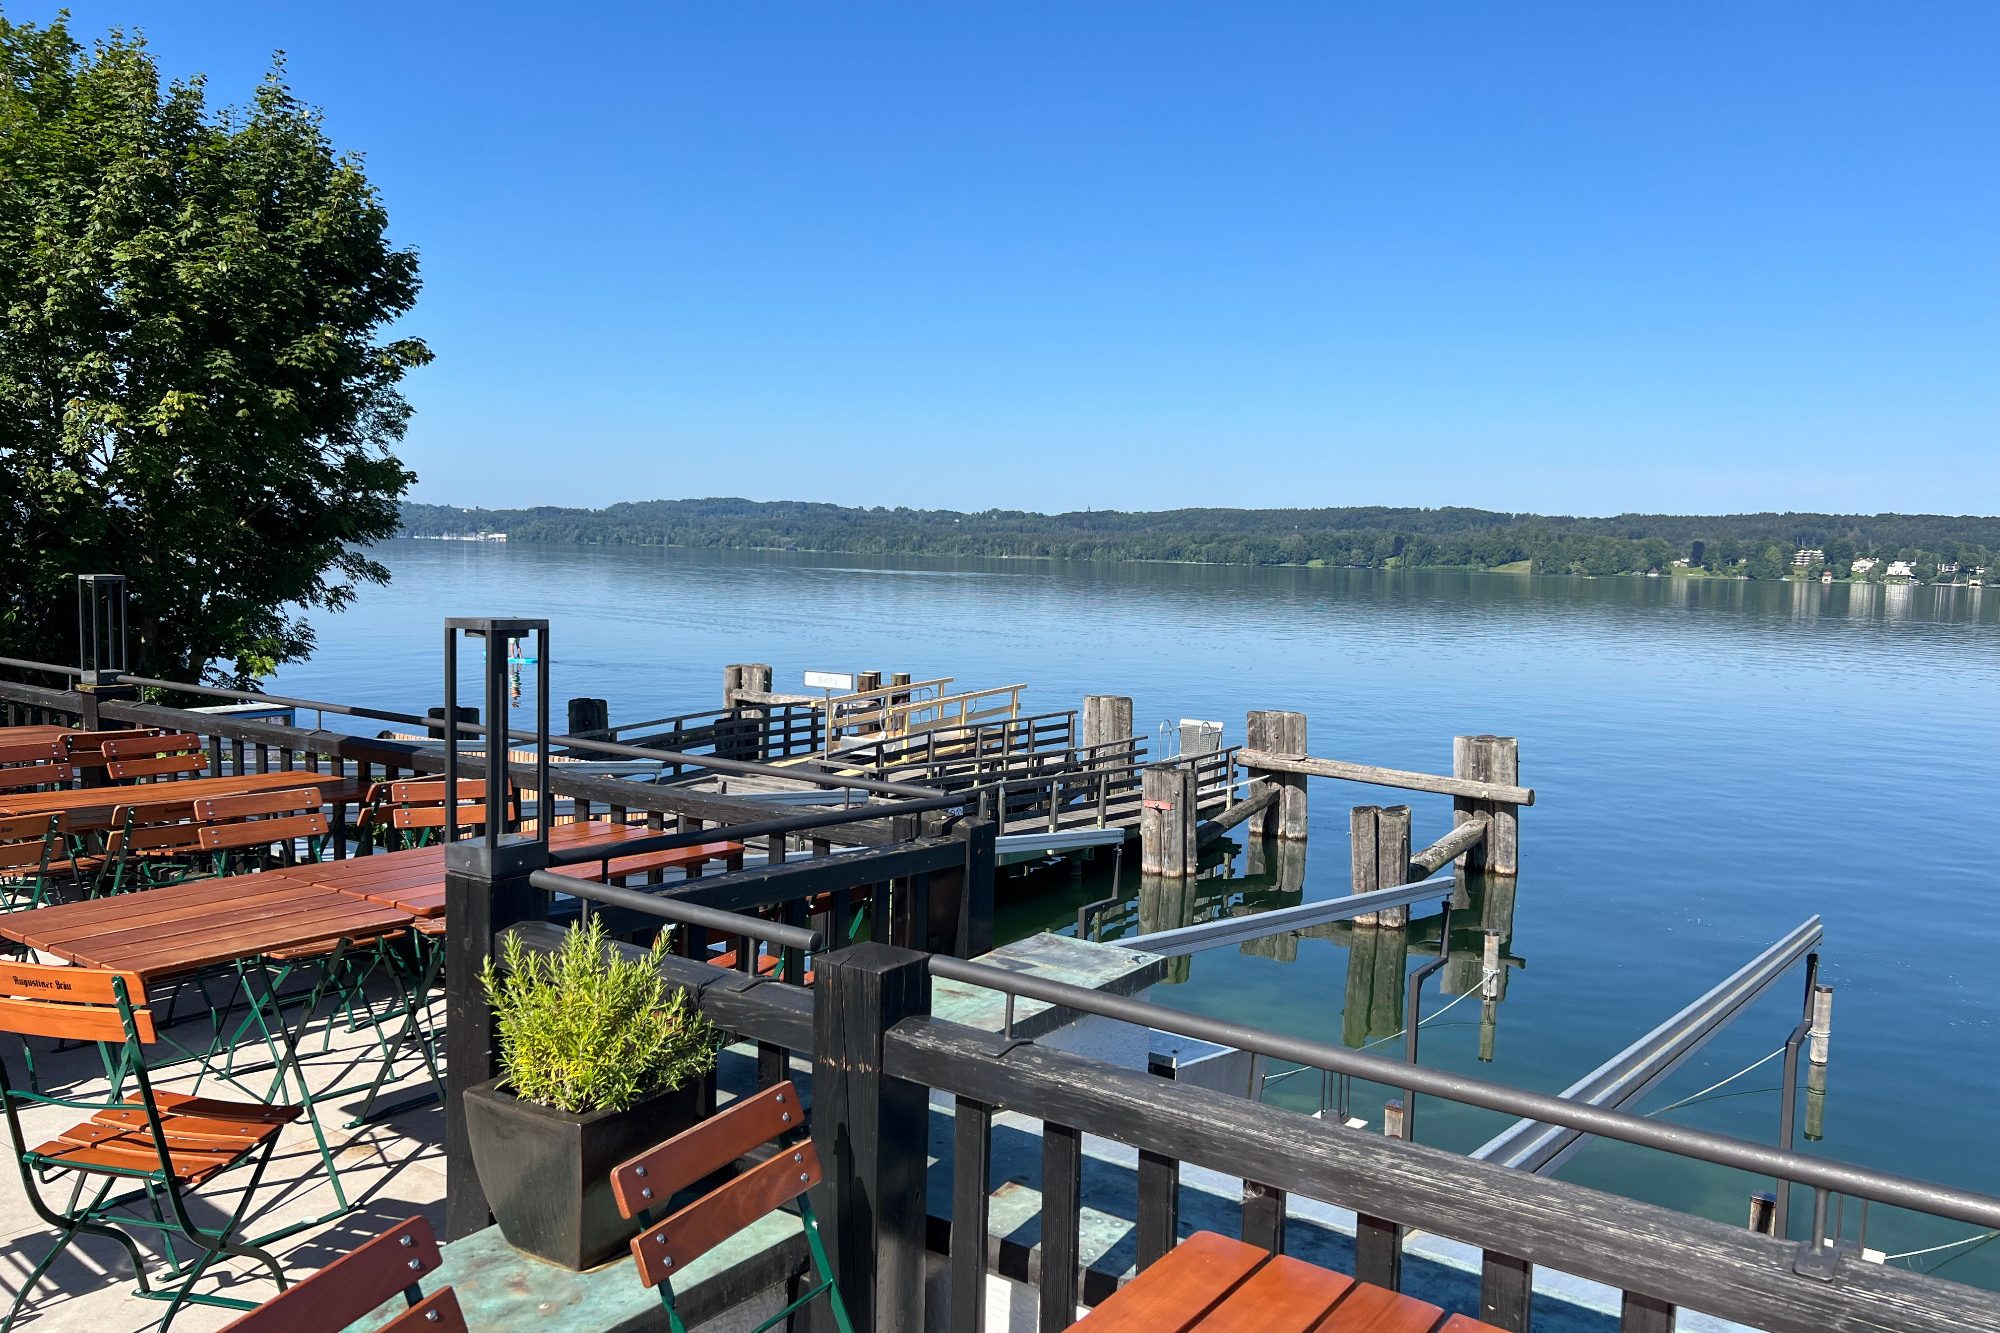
x,y
91,807
1212,1284
182,929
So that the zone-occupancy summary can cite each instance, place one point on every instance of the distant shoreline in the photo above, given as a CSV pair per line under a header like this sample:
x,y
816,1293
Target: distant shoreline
x,y
1518,569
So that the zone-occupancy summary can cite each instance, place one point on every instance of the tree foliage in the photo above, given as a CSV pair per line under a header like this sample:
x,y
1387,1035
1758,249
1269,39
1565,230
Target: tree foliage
x,y
196,388
1749,545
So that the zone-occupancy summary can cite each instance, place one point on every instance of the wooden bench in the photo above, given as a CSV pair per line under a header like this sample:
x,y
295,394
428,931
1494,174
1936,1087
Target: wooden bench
x,y
1212,1284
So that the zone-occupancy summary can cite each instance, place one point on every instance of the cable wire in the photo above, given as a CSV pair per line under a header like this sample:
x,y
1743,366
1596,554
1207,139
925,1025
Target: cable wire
x,y
1675,1106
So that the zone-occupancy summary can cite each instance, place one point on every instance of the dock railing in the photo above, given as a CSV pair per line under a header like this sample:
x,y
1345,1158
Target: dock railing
x,y
878,1057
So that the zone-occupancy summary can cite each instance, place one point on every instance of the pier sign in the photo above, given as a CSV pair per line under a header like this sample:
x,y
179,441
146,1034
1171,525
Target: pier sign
x,y
829,680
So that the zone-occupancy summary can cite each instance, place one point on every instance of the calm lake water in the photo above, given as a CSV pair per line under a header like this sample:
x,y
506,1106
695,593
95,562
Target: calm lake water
x,y
1714,762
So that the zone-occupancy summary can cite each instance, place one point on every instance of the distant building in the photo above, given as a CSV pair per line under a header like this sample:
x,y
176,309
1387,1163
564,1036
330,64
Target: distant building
x,y
1808,555
1899,569
1864,565
1947,566
1682,563
1826,576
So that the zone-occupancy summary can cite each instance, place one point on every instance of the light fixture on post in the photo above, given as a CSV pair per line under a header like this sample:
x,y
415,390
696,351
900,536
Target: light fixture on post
x,y
503,640
100,628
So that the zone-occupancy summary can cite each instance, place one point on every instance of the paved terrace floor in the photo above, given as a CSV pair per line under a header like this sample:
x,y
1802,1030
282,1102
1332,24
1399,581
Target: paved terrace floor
x,y
391,1170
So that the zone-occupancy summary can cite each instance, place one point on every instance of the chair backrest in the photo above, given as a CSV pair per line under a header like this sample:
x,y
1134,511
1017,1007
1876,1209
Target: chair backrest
x,y
347,1289
33,765
26,840
420,804
74,1003
258,818
86,748
166,826
648,1181
154,757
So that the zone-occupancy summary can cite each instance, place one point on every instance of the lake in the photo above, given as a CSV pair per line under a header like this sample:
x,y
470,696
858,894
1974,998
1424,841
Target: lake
x,y
1714,761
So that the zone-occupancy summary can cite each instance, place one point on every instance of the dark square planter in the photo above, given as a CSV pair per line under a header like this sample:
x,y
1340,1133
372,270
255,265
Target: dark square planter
x,y
547,1174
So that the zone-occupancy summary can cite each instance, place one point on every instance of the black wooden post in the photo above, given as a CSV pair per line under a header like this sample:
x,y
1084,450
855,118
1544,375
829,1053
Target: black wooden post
x,y
1506,1291
871,1132
975,905
484,892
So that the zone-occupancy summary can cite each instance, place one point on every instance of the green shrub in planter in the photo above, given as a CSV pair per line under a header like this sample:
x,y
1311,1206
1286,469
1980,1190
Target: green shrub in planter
x,y
600,1059
588,1029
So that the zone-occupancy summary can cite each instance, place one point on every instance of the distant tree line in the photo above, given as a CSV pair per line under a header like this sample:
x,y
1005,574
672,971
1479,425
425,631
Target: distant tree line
x,y
1760,546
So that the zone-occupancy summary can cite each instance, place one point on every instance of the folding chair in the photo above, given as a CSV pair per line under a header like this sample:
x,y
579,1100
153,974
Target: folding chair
x,y
154,758
85,749
153,1147
352,1286
646,1185
35,766
417,809
29,844
149,845
266,823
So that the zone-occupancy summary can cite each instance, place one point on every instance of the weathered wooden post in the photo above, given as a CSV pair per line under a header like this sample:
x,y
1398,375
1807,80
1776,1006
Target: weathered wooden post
x,y
1285,734
1167,821
870,1131
1381,857
1764,1212
590,719
1820,1033
1106,718
1497,760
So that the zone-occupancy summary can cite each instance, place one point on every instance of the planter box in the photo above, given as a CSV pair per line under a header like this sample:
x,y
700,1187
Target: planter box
x,y
547,1174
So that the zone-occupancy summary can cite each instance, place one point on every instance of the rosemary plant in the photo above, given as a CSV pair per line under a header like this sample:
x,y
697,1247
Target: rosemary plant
x,y
588,1029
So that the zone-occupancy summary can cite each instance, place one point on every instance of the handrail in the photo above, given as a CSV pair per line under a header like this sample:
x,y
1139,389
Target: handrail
x,y
50,667
1720,1149
849,814
714,763
673,909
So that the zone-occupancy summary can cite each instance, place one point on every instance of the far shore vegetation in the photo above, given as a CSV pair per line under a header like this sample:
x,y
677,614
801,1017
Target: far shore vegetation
x,y
1844,547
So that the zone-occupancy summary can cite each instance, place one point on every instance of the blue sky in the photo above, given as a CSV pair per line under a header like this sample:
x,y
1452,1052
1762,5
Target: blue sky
x,y
1570,257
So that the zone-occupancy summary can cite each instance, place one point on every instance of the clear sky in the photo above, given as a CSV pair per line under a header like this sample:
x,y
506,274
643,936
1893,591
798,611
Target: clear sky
x,y
1576,257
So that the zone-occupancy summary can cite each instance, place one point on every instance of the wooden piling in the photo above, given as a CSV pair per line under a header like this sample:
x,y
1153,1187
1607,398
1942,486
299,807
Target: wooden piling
x,y
1106,718
1279,733
1493,972
1821,1031
590,719
1495,760
1764,1212
1380,857
1167,821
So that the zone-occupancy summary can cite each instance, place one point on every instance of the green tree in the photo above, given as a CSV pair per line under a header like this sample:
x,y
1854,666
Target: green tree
x,y
196,387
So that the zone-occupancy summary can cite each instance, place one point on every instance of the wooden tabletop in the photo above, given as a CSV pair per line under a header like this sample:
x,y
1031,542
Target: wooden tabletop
x,y
32,735
91,807
185,928
413,880
1213,1284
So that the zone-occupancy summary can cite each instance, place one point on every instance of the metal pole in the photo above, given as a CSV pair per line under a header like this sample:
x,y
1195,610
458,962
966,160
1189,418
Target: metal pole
x,y
1417,980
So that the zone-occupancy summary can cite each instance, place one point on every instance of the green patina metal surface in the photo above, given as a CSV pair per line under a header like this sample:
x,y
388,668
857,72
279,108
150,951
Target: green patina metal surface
x,y
1101,967
502,1290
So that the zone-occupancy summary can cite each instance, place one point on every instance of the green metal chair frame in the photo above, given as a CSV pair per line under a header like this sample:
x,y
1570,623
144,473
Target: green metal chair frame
x,y
645,1186
28,846
156,1146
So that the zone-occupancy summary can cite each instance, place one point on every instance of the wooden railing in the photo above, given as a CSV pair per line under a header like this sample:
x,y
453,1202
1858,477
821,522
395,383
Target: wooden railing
x,y
878,1059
